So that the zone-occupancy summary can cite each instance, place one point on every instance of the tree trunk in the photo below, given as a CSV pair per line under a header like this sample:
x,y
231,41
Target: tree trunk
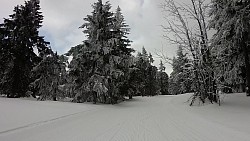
x,y
130,96
245,46
54,98
94,97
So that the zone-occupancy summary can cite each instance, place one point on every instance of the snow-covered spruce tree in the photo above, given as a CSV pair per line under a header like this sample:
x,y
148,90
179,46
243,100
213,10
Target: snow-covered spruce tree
x,y
162,78
49,74
105,56
152,86
5,60
145,75
142,66
181,78
129,81
21,37
120,32
98,29
80,71
121,49
231,21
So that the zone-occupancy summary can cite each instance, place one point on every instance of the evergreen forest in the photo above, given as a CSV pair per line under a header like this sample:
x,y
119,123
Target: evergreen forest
x,y
212,55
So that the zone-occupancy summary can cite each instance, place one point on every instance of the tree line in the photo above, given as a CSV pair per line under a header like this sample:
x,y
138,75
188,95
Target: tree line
x,y
102,68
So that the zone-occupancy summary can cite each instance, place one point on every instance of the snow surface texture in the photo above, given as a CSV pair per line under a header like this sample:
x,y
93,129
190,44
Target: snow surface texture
x,y
160,118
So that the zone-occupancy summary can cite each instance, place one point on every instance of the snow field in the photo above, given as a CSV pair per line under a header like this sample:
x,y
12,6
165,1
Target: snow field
x,y
160,118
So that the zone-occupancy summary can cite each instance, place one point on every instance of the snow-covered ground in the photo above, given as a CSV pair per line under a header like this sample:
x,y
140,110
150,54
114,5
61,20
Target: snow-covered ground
x,y
160,118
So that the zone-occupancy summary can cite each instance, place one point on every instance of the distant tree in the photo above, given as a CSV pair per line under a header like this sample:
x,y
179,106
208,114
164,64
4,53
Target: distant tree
x,y
145,75
181,78
21,37
142,65
152,87
161,67
163,79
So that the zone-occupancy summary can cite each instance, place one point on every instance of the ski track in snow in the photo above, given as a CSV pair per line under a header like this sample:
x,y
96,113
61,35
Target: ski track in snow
x,y
142,119
32,125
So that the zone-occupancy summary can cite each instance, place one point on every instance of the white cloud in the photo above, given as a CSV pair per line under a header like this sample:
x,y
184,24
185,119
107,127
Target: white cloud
x,y
62,19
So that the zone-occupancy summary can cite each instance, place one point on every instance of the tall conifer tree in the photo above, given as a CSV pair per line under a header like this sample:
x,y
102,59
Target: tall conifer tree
x,y
231,20
22,37
105,54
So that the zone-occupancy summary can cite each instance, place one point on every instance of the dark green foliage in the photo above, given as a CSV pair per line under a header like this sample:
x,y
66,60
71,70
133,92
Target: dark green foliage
x,y
162,78
5,61
74,51
99,66
231,21
163,83
145,75
20,36
181,78
49,74
151,85
80,70
102,69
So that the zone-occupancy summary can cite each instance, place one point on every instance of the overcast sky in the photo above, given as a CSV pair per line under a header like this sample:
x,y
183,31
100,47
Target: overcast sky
x,y
62,19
